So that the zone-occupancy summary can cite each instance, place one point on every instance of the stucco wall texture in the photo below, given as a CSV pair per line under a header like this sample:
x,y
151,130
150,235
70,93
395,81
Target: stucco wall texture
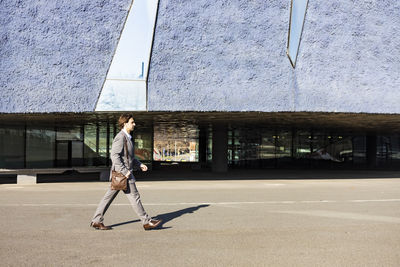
x,y
54,55
222,55
230,56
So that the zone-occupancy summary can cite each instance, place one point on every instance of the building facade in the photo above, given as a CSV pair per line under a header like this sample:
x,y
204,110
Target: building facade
x,y
213,85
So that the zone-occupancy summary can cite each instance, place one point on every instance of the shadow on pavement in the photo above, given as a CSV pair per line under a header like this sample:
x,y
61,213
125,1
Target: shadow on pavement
x,y
166,217
123,223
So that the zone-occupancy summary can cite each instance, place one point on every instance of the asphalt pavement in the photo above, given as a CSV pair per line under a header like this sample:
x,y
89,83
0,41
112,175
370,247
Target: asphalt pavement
x,y
301,222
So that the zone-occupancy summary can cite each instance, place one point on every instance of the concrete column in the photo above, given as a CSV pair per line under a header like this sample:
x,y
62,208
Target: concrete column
x,y
371,151
24,179
219,148
202,147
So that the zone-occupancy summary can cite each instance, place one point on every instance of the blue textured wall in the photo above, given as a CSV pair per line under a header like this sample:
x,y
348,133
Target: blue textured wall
x,y
207,55
54,55
230,56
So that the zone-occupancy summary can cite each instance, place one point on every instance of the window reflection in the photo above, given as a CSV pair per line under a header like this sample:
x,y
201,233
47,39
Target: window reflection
x,y
102,151
90,152
330,149
76,153
143,144
388,150
244,148
69,146
395,146
73,133
209,145
12,147
359,150
62,154
40,147
268,145
283,147
268,148
302,144
248,147
178,143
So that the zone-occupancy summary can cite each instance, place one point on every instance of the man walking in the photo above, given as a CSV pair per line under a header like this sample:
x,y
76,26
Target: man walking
x,y
124,165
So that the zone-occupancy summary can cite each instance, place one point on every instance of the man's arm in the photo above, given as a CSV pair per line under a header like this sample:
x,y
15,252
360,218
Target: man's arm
x,y
136,163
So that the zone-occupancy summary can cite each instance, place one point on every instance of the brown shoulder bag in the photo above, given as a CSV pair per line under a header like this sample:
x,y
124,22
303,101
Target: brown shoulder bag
x,y
118,180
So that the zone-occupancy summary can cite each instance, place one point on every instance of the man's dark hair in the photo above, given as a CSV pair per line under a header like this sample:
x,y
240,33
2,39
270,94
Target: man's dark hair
x,y
124,118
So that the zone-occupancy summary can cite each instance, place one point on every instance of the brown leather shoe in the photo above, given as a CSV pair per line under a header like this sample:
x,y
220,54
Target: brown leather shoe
x,y
100,226
152,224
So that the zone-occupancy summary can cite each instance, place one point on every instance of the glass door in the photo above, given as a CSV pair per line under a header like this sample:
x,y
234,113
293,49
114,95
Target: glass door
x,y
63,157
69,145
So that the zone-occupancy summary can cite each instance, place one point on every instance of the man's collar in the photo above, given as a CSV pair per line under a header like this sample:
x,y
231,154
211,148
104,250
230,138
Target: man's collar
x,y
130,136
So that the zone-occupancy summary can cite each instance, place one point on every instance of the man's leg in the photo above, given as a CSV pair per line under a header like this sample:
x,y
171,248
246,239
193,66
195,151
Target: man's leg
x,y
103,205
134,197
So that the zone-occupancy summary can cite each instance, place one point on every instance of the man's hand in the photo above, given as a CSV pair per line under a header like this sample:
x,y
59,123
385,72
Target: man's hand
x,y
143,167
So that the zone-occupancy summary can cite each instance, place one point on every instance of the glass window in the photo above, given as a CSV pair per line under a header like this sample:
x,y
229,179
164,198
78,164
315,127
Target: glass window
x,y
297,15
302,148
122,95
302,144
73,133
233,147
40,147
113,132
125,85
395,150
244,147
283,148
12,142
90,154
235,155
268,149
268,146
331,150
69,145
209,145
96,152
359,150
62,154
250,145
131,58
387,151
143,144
340,148
76,153
102,152
178,143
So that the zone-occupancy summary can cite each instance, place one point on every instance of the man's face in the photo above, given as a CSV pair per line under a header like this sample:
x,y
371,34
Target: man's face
x,y
130,125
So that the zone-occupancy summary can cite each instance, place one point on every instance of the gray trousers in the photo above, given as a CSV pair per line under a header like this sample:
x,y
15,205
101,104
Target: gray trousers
x,y
131,193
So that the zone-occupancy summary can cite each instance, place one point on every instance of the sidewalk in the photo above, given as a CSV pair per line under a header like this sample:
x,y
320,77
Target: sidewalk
x,y
266,174
277,222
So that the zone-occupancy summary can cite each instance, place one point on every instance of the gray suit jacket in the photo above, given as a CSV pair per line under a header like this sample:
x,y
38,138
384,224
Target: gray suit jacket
x,y
119,161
